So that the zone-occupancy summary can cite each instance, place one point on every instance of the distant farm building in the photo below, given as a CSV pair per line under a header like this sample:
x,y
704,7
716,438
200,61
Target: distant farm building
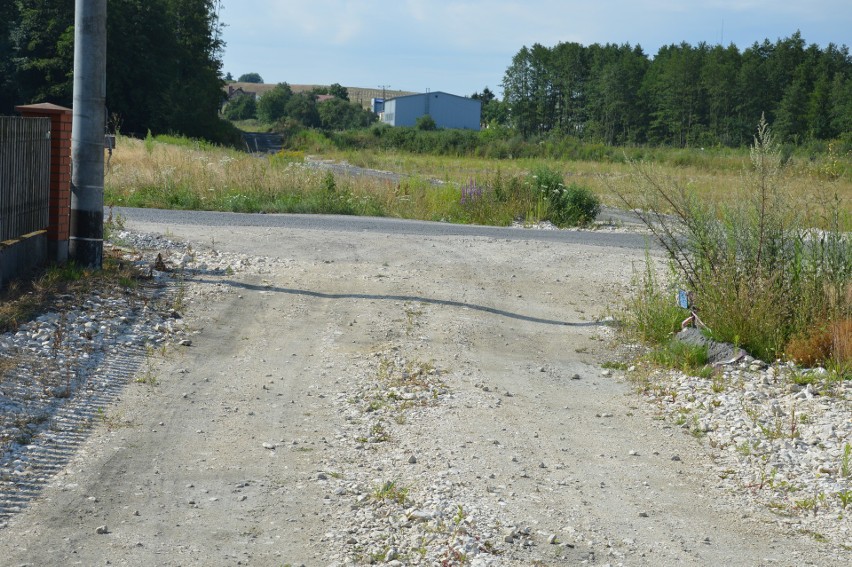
x,y
447,110
256,90
234,93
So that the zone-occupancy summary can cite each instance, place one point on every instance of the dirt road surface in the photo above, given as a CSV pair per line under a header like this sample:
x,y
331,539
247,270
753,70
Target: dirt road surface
x,y
395,399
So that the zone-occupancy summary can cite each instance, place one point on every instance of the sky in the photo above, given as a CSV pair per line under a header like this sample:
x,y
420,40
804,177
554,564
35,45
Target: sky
x,y
463,46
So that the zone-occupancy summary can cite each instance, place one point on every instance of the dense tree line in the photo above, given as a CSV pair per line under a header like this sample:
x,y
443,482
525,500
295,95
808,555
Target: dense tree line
x,y
164,75
685,96
163,62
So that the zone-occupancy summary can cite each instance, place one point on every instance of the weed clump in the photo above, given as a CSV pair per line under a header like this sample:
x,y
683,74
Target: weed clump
x,y
651,312
766,278
570,205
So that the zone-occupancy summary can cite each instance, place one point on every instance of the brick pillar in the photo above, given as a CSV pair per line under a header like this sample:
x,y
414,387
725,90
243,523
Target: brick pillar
x,y
59,227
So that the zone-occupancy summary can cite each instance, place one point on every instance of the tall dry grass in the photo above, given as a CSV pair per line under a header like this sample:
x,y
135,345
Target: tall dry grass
x,y
182,174
155,174
714,177
166,174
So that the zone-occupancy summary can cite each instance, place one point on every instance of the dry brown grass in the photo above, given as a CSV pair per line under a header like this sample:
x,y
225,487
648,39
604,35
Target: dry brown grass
x,y
811,349
138,166
821,345
6,364
842,341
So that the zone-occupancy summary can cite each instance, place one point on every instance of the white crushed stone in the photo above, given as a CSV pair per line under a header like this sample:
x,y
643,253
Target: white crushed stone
x,y
777,436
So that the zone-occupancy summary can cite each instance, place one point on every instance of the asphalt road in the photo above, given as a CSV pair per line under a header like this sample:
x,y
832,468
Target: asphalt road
x,y
382,225
259,142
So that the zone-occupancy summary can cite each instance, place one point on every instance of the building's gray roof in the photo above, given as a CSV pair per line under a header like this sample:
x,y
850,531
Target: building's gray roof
x,y
429,93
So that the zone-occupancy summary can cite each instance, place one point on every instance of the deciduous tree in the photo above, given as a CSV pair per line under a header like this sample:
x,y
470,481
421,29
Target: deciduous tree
x,y
339,91
163,61
303,108
272,106
250,78
339,114
242,107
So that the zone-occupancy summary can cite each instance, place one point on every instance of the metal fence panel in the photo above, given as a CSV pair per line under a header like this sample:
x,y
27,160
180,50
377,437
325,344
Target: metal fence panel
x,y
24,175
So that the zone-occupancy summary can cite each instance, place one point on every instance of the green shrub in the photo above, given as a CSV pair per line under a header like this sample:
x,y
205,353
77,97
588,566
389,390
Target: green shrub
x,y
679,355
545,180
573,206
241,108
149,142
426,123
563,206
273,105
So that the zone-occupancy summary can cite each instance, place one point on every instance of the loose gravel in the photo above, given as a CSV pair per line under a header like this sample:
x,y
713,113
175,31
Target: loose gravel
x,y
777,437
68,364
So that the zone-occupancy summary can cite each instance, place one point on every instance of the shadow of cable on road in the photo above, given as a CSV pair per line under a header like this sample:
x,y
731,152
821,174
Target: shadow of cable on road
x,y
414,298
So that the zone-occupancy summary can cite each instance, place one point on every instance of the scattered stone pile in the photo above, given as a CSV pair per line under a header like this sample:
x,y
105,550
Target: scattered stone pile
x,y
188,261
55,355
779,437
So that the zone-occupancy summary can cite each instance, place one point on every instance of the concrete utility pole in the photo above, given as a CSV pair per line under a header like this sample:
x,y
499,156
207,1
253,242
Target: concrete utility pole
x,y
86,244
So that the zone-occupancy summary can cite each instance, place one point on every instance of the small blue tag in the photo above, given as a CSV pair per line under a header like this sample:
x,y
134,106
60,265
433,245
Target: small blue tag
x,y
683,299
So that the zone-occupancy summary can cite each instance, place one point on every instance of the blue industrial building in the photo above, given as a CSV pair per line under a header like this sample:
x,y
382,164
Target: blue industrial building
x,y
447,110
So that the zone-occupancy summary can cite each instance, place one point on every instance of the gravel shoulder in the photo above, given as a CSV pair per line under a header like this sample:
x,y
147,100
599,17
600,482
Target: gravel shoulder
x,y
358,397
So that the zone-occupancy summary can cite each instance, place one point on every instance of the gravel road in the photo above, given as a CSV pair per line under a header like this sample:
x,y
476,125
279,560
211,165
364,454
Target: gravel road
x,y
371,391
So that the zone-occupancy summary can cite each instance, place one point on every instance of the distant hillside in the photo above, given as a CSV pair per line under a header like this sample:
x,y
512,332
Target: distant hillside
x,y
356,94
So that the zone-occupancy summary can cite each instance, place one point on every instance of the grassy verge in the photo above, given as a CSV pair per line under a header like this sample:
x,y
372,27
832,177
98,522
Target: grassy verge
x,y
180,173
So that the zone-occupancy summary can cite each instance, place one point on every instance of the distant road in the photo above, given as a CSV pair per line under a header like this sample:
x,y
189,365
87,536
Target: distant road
x,y
264,143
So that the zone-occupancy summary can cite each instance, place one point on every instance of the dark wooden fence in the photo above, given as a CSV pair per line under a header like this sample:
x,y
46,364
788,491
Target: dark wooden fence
x,y
24,175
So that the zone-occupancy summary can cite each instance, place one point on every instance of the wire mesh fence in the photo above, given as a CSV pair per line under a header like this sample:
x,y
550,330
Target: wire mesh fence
x,y
24,175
